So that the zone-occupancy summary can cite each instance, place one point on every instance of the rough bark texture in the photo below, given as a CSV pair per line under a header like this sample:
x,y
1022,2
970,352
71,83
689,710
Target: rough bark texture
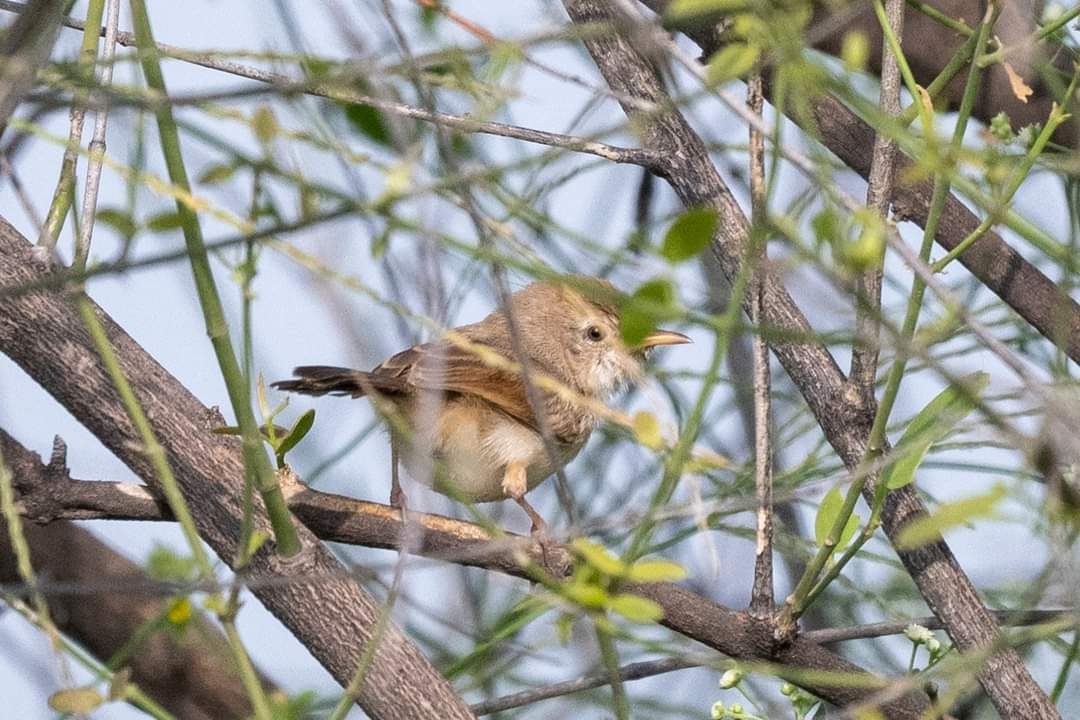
x,y
691,173
340,519
332,616
1003,270
193,676
928,46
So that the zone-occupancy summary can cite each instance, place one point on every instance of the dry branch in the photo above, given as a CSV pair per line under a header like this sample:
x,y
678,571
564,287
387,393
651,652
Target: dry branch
x,y
41,332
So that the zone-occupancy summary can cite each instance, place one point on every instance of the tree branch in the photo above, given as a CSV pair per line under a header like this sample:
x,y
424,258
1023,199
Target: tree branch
x,y
193,675
336,518
41,332
691,173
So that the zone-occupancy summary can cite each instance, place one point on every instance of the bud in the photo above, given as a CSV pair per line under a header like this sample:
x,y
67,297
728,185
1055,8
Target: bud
x,y
730,679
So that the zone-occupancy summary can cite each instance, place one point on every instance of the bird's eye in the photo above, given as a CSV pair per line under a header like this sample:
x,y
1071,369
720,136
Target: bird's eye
x,y
594,333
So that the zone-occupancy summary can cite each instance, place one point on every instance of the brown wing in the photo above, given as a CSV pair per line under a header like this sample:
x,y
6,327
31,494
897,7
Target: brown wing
x,y
446,367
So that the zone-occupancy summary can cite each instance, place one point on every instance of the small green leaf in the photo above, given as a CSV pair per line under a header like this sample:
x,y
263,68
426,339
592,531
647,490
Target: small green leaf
x,y
586,594
164,564
636,608
928,528
647,430
730,62
296,434
264,124
855,50
689,234
648,571
650,304
256,540
931,424
217,174
828,512
598,557
120,221
76,701
369,122
700,11
161,222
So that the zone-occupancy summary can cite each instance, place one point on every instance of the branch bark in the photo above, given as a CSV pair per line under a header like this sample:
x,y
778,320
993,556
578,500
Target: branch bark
x,y
335,618
341,519
192,676
691,173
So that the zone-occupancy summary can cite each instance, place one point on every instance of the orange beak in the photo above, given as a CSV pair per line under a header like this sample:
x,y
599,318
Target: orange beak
x,y
663,337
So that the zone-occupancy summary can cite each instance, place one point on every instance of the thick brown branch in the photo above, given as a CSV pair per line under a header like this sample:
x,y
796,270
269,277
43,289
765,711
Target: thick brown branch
x,y
357,522
192,675
41,332
947,589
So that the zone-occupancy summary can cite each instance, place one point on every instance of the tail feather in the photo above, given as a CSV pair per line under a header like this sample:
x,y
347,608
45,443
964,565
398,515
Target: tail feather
x,y
326,380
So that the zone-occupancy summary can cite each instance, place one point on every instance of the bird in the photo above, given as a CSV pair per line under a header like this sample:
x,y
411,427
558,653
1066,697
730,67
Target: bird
x,y
459,410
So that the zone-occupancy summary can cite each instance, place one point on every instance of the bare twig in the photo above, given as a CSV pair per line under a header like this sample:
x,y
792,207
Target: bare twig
x,y
879,191
97,142
761,596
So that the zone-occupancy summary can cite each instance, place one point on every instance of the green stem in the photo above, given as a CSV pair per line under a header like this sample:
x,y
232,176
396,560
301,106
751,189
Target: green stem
x,y
1043,33
610,658
288,540
64,195
934,14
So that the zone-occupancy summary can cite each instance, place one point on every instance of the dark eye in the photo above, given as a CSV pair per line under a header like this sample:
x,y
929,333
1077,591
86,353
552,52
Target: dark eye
x,y
594,333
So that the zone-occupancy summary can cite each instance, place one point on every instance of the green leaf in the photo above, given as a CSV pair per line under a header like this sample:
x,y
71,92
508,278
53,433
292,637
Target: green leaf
x,y
369,122
928,528
217,174
586,594
699,11
855,50
650,304
164,564
120,221
931,424
264,124
636,608
647,430
226,430
648,571
689,234
76,701
169,220
299,429
730,62
828,512
598,557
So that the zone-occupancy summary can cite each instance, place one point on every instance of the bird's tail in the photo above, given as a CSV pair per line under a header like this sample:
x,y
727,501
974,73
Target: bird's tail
x,y
325,380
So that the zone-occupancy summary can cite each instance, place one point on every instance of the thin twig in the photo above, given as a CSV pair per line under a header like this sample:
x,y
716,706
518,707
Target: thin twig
x,y
761,596
864,357
97,142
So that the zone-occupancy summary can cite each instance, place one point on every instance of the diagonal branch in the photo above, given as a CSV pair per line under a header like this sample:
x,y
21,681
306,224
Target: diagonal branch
x,y
41,333
947,590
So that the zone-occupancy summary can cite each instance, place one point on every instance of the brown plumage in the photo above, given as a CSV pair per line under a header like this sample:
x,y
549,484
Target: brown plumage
x,y
474,418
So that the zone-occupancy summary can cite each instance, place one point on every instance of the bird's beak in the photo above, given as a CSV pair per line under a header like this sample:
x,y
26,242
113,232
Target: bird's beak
x,y
664,337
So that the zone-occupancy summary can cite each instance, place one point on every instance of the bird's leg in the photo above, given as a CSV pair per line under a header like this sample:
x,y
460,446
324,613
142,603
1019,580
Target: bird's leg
x,y
515,485
397,496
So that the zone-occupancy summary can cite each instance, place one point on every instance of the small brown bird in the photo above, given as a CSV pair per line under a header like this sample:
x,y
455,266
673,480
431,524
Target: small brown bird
x,y
451,405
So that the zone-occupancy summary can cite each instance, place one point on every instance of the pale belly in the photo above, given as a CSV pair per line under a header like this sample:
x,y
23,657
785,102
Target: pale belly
x,y
474,447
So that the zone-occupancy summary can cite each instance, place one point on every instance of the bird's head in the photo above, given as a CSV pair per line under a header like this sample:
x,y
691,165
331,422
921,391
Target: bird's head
x,y
571,328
